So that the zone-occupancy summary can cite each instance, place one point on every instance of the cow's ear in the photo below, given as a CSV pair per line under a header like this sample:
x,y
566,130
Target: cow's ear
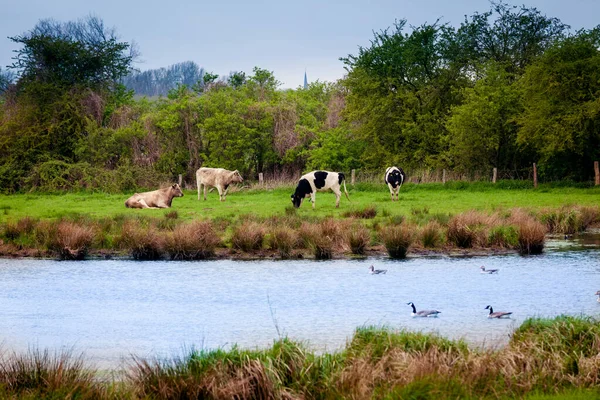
x,y
174,186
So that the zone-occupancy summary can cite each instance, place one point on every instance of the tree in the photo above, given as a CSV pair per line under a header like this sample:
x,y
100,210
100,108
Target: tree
x,y
82,53
482,130
561,97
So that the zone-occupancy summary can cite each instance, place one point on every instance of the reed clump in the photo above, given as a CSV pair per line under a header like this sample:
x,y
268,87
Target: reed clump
x,y
469,229
432,235
570,219
398,239
322,237
196,240
367,212
283,239
72,241
248,236
531,232
40,374
143,241
358,238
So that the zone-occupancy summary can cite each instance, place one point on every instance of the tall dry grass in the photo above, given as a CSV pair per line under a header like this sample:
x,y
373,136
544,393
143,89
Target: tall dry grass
x,y
398,239
470,228
196,240
283,239
531,232
142,241
358,238
248,236
432,235
72,240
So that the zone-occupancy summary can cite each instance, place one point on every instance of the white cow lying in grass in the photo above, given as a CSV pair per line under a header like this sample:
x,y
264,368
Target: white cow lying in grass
x,y
161,198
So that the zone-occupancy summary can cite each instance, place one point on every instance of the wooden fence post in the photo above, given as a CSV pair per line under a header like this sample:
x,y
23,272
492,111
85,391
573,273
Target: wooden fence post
x,y
444,175
353,177
596,173
494,175
260,178
180,180
534,175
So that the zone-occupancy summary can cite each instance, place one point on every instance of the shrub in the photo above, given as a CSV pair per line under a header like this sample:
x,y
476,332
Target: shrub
x,y
248,236
358,237
72,240
284,240
192,241
144,243
397,239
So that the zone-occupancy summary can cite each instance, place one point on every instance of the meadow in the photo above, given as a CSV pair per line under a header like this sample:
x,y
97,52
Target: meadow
x,y
258,222
432,198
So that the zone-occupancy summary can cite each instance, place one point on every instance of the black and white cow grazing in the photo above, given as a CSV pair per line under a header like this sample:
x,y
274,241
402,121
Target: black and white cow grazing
x,y
319,181
394,177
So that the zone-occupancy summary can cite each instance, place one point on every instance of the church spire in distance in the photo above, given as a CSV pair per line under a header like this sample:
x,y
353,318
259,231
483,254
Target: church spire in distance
x,y
305,80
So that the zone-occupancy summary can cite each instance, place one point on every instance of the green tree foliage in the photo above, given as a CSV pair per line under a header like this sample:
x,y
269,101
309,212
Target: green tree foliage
x,y
482,129
82,53
561,96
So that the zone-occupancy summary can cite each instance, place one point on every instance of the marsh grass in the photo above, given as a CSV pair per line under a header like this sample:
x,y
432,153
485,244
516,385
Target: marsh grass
x,y
367,212
72,240
469,229
323,237
397,239
504,236
569,219
531,233
432,235
196,240
143,241
42,375
283,239
358,238
248,236
544,359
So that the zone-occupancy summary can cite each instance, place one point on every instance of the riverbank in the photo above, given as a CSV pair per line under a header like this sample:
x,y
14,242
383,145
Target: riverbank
x,y
545,358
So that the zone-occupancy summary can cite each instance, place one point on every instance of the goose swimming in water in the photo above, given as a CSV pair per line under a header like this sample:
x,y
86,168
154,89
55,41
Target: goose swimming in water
x,y
377,271
488,271
598,294
498,314
422,313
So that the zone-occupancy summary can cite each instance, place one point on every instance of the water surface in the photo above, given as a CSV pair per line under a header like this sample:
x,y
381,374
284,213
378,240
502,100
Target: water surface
x,y
112,309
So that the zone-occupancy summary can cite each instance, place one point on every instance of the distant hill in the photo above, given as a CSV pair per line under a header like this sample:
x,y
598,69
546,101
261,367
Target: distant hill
x,y
158,82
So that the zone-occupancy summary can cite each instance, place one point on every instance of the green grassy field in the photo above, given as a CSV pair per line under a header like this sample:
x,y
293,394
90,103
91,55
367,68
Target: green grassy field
x,y
428,198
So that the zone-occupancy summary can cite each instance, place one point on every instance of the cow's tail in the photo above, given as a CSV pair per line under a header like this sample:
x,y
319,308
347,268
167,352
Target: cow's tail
x,y
346,191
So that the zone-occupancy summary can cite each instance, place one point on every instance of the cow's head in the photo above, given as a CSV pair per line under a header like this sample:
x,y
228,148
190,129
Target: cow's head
x,y
176,191
302,190
236,177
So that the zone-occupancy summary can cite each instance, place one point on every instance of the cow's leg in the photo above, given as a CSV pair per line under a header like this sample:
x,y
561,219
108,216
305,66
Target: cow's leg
x,y
338,195
391,190
143,203
313,197
205,191
225,192
199,184
220,193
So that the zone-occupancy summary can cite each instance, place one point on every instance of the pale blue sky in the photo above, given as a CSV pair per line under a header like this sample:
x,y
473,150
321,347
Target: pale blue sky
x,y
285,37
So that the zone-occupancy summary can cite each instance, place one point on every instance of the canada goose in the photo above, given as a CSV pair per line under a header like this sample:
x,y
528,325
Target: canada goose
x,y
488,271
377,271
422,313
498,314
598,294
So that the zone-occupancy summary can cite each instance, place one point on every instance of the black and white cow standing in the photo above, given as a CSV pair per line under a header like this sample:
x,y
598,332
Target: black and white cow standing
x,y
394,177
319,181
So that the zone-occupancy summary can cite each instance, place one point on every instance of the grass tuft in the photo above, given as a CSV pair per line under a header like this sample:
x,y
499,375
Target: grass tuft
x,y
284,240
358,238
192,241
248,236
397,239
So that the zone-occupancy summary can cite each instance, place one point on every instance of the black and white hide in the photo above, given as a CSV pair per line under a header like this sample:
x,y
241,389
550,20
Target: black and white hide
x,y
394,177
319,181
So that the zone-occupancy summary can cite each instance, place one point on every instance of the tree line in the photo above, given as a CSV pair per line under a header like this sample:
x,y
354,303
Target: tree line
x,y
507,87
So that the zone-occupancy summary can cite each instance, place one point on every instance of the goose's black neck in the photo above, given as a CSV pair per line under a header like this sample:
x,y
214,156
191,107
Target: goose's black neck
x,y
413,307
491,310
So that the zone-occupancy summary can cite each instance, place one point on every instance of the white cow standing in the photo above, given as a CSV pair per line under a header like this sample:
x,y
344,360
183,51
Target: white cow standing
x,y
217,177
394,177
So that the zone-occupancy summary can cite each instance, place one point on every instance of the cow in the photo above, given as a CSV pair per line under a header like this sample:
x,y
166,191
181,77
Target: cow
x,y
319,181
394,177
161,198
217,177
